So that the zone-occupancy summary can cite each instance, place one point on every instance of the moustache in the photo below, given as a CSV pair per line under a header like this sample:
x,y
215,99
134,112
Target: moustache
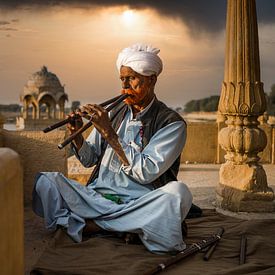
x,y
128,91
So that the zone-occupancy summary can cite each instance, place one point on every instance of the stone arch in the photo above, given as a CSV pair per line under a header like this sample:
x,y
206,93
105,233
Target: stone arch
x,y
46,99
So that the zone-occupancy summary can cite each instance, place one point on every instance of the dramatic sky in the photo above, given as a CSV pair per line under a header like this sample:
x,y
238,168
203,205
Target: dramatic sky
x,y
79,42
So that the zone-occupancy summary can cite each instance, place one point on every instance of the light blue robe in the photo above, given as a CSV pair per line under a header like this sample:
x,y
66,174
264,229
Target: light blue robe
x,y
156,215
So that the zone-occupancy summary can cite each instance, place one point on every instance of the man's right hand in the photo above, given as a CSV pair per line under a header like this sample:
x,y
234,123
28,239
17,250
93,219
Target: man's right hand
x,y
74,125
75,122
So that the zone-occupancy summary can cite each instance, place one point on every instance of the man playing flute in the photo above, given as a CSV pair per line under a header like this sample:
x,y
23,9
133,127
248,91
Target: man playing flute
x,y
137,147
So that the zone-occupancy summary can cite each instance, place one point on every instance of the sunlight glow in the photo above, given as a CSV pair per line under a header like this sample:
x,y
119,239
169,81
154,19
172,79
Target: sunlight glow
x,y
129,17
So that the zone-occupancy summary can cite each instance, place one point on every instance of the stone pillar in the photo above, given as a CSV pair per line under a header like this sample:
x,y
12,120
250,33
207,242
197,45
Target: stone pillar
x,y
62,110
25,109
54,112
33,111
38,112
243,184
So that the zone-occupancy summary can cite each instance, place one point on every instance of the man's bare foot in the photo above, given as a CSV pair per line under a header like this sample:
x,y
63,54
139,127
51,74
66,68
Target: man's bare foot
x,y
91,227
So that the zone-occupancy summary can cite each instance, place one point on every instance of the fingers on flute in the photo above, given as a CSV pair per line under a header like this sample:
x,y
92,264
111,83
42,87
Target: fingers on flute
x,y
75,121
82,113
94,110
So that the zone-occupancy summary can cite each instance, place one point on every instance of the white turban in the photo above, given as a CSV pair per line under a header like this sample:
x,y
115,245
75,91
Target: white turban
x,y
143,59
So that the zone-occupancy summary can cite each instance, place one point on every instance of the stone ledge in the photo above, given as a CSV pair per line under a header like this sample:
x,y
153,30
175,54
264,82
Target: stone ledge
x,y
235,202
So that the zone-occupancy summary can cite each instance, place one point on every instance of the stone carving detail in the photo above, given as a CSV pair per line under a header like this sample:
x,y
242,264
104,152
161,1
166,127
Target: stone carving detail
x,y
242,140
242,99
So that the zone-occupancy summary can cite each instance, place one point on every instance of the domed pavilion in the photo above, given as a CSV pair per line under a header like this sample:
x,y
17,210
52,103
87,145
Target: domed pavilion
x,y
43,96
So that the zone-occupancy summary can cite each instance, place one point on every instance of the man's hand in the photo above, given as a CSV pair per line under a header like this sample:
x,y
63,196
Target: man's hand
x,y
100,119
74,125
75,122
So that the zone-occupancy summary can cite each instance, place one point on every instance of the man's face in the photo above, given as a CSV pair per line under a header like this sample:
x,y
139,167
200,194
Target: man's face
x,y
140,87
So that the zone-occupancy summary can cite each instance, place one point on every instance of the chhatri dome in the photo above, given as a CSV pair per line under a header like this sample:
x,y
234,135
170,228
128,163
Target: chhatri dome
x,y
45,94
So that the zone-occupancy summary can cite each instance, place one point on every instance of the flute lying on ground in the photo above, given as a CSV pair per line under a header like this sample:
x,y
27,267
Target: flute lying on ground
x,y
187,252
243,244
210,250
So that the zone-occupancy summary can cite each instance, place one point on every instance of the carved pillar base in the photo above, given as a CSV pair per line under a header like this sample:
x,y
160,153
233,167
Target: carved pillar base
x,y
243,188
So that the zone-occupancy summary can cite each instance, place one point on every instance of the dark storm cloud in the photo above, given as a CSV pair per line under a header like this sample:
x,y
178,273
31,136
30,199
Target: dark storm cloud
x,y
266,11
206,15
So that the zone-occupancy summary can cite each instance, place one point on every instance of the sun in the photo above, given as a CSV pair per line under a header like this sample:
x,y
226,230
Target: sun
x,y
129,17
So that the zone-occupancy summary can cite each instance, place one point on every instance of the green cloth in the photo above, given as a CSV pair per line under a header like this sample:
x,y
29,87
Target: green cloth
x,y
113,198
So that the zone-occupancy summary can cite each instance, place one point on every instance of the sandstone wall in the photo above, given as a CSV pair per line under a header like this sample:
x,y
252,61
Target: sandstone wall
x,y
266,155
201,143
38,152
11,213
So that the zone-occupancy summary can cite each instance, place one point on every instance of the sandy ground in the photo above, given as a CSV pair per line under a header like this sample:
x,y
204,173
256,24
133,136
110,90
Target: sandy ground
x,y
201,179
